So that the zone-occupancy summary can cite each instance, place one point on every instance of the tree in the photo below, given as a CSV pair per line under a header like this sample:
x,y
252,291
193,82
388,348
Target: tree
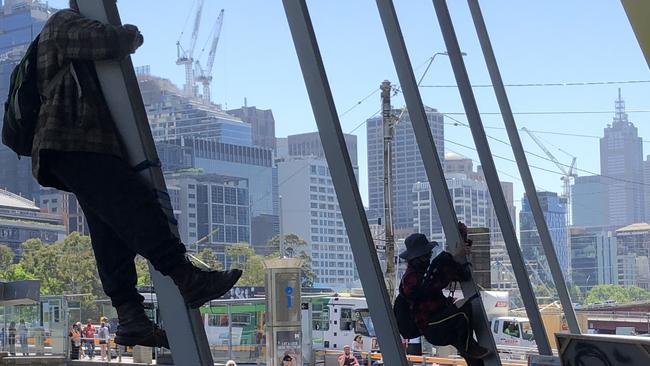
x,y
142,269
618,293
6,257
242,256
208,257
16,272
295,247
576,294
65,267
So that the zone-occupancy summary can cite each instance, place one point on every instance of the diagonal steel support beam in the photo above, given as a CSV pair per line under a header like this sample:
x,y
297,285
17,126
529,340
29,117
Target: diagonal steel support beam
x,y
522,164
345,184
119,84
432,163
491,176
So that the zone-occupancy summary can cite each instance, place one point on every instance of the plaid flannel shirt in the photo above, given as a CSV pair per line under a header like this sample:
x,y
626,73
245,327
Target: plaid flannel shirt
x,y
74,116
426,298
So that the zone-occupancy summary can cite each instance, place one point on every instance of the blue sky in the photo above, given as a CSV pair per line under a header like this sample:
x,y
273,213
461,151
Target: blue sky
x,y
535,42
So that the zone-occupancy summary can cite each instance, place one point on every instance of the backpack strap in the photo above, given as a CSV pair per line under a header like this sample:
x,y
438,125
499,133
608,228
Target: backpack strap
x,y
56,80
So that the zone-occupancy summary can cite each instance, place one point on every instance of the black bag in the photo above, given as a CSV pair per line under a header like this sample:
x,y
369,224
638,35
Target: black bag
x,y
22,105
404,316
24,102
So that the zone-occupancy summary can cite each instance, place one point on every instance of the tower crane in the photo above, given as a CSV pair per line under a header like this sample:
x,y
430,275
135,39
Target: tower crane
x,y
185,55
205,75
567,175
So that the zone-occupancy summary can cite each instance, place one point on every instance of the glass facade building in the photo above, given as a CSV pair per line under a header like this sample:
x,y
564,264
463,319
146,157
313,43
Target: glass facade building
x,y
253,164
408,168
20,22
213,211
555,212
310,210
173,115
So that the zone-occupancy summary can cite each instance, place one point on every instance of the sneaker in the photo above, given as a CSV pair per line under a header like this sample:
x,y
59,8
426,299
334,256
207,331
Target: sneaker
x,y
198,286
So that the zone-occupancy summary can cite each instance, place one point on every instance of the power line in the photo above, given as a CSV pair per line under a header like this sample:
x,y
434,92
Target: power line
x,y
550,133
544,158
364,121
555,112
577,83
374,91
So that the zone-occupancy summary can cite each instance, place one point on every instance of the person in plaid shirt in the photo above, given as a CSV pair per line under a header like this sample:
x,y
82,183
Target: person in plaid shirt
x,y
438,318
76,149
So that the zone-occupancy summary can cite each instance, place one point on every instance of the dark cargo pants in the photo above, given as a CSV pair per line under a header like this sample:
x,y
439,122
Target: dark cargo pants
x,y
123,215
453,326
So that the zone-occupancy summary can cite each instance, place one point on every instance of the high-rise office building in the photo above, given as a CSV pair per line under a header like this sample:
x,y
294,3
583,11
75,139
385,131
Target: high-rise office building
x,y
555,212
646,188
213,211
309,144
310,210
621,157
589,197
193,134
633,249
20,22
172,115
471,203
408,168
262,124
593,258
254,164
471,198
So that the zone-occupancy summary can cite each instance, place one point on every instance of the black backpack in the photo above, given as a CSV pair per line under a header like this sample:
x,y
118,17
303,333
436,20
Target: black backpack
x,y
402,307
24,102
405,322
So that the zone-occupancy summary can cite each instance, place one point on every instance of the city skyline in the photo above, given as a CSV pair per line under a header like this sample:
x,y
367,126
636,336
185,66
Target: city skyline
x,y
240,173
584,44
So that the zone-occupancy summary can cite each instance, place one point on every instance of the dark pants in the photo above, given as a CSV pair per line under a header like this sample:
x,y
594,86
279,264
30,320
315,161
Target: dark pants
x,y
74,351
453,327
123,215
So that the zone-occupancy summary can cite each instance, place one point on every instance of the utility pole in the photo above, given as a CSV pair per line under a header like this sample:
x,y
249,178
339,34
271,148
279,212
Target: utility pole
x,y
389,127
281,247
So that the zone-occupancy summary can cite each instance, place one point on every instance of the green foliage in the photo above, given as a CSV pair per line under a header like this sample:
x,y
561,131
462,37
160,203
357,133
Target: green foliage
x,y
576,294
16,272
65,267
142,268
618,293
6,257
295,247
242,256
208,257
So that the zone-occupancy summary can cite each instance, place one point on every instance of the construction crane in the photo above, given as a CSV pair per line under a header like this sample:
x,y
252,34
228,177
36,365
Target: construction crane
x,y
185,55
567,175
205,75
